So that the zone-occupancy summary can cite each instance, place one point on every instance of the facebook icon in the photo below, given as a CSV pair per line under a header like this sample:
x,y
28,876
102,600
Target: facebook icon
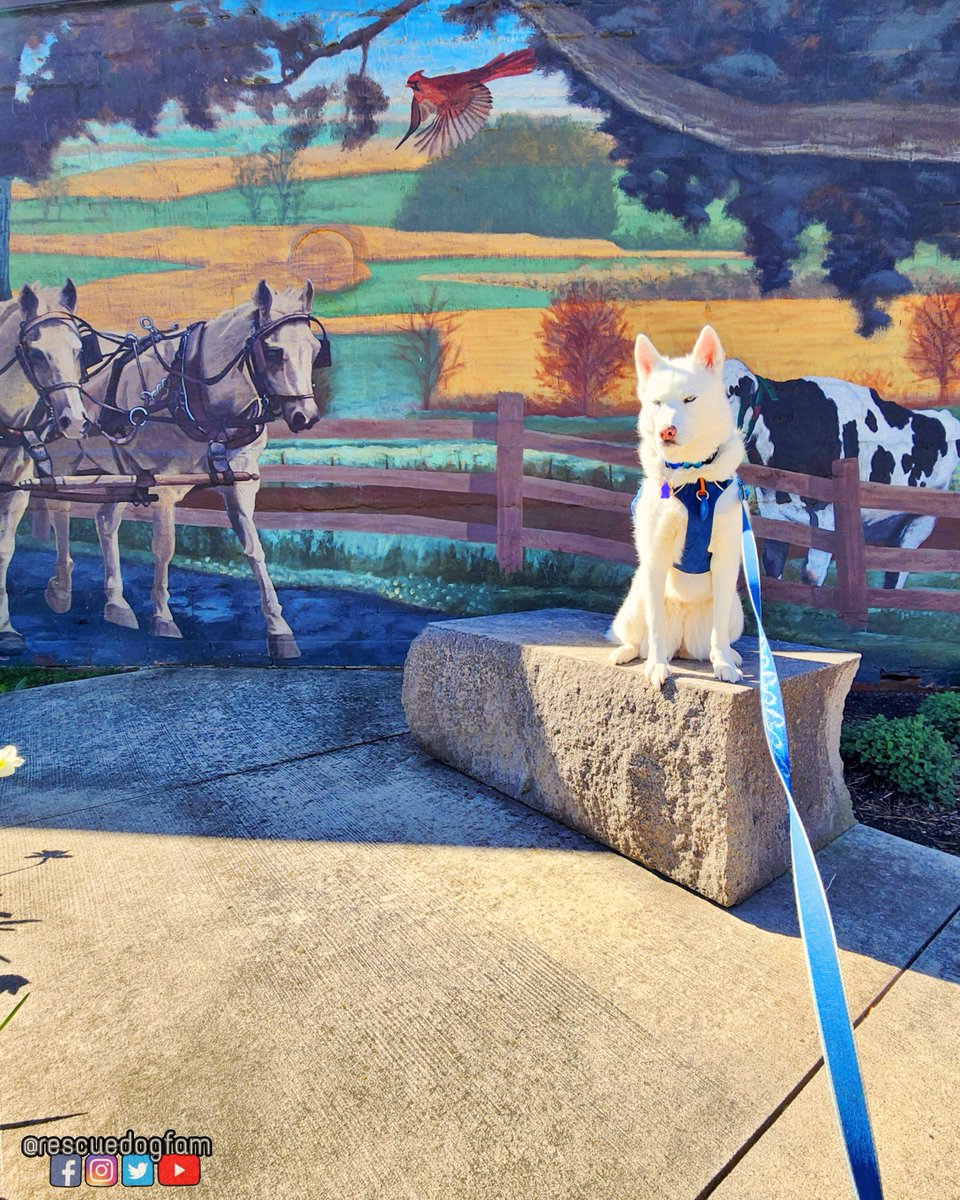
x,y
66,1170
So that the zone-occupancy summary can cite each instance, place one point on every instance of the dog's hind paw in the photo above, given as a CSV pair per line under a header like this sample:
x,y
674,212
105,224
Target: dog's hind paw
x,y
623,654
658,673
737,657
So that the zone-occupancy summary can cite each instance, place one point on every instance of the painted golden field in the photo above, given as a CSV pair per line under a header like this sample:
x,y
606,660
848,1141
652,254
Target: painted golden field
x,y
781,338
166,178
778,338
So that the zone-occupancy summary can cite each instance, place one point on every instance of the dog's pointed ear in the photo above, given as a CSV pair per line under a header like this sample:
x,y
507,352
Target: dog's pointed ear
x,y
646,356
708,352
306,296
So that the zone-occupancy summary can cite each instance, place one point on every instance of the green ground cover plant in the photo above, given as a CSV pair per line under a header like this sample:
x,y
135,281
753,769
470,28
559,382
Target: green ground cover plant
x,y
16,677
942,711
907,753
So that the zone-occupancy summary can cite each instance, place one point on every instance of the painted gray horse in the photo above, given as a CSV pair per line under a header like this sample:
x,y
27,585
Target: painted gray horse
x,y
41,369
195,405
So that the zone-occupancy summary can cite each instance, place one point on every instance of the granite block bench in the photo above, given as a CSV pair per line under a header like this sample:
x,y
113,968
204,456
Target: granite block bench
x,y
679,781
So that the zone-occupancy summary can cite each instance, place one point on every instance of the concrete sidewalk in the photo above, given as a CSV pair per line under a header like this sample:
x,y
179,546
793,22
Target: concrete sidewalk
x,y
245,907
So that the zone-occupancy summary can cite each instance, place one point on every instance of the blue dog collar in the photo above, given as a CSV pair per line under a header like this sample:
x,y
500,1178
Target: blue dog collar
x,y
687,466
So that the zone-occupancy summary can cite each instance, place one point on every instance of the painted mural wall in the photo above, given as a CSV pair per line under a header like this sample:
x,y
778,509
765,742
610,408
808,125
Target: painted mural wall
x,y
488,202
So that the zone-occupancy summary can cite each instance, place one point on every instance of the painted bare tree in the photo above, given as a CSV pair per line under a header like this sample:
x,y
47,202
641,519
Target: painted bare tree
x,y
585,348
933,348
248,179
425,343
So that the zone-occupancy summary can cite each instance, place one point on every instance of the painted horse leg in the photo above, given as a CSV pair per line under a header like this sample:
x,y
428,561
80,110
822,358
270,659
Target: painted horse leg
x,y
240,501
164,546
59,593
115,610
12,507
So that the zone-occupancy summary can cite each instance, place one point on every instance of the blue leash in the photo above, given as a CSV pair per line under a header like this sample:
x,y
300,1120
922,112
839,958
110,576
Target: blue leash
x,y
816,926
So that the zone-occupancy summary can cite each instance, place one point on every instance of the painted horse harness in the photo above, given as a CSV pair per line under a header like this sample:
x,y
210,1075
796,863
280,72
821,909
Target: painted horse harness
x,y
40,426
180,398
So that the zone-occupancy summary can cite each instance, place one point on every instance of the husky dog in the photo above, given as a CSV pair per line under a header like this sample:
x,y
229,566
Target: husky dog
x,y
683,599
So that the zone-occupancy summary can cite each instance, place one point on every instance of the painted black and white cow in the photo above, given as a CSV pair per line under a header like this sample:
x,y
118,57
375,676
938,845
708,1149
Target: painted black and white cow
x,y
805,424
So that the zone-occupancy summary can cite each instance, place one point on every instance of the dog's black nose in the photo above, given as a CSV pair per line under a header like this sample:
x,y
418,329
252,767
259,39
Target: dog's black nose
x,y
298,422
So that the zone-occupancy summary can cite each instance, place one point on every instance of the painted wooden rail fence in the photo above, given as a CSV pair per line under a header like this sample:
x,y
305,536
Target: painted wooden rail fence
x,y
850,597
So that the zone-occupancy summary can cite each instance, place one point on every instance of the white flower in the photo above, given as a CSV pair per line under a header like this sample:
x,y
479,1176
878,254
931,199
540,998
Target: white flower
x,y
9,760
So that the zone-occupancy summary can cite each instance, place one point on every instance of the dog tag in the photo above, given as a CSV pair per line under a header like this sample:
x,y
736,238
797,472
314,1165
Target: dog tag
x,y
704,497
665,491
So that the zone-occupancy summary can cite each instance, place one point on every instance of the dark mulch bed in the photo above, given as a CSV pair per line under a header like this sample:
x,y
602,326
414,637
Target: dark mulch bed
x,y
873,803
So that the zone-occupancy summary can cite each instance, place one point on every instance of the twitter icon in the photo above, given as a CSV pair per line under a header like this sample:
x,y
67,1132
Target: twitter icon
x,y
137,1170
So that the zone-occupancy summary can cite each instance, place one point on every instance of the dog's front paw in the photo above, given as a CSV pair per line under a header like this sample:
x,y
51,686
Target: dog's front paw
x,y
624,654
737,657
725,670
657,673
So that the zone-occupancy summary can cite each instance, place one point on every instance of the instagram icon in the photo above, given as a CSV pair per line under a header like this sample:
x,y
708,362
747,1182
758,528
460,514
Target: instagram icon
x,y
100,1170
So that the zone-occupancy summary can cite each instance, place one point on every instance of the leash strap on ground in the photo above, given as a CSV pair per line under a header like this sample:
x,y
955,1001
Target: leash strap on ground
x,y
816,926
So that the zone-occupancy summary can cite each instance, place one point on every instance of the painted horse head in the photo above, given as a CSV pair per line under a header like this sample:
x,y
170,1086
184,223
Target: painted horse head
x,y
284,352
49,350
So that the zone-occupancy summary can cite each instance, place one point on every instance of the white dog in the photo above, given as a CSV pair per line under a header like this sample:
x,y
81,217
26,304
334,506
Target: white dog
x,y
683,599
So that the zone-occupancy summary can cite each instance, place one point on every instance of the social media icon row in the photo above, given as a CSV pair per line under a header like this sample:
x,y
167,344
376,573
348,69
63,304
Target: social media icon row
x,y
137,1170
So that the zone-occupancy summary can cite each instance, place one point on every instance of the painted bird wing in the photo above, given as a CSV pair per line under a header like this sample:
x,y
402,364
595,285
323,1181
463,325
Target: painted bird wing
x,y
459,116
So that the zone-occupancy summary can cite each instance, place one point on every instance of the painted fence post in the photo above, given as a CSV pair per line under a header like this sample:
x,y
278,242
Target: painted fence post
x,y
510,481
849,554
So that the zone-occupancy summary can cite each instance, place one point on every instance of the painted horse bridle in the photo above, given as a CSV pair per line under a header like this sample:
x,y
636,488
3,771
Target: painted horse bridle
x,y
40,426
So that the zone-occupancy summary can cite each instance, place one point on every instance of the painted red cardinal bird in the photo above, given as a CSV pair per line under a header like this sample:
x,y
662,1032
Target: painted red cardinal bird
x,y
460,103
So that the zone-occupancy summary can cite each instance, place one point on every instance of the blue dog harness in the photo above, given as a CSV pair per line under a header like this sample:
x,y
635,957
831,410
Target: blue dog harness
x,y
700,501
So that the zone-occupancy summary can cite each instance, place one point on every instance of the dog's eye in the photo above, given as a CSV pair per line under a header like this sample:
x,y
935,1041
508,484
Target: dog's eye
x,y
273,354
689,399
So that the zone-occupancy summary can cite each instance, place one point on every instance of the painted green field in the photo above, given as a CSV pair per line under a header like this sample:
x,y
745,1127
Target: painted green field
x,y
52,269
470,456
116,145
358,200
394,287
369,379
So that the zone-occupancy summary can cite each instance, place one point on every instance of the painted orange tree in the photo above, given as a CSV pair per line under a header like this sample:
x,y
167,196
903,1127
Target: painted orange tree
x,y
585,349
933,350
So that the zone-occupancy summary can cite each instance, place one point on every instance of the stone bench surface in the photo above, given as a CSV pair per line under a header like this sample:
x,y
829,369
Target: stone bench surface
x,y
679,781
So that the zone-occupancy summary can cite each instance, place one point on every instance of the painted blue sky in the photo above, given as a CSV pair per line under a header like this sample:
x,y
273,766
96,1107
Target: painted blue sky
x,y
423,40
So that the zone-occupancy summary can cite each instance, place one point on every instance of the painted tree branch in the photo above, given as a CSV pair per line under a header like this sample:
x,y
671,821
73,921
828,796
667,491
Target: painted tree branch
x,y
359,39
862,130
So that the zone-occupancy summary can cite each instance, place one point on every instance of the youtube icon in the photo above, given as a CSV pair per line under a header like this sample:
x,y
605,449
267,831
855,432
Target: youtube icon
x,y
178,1170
